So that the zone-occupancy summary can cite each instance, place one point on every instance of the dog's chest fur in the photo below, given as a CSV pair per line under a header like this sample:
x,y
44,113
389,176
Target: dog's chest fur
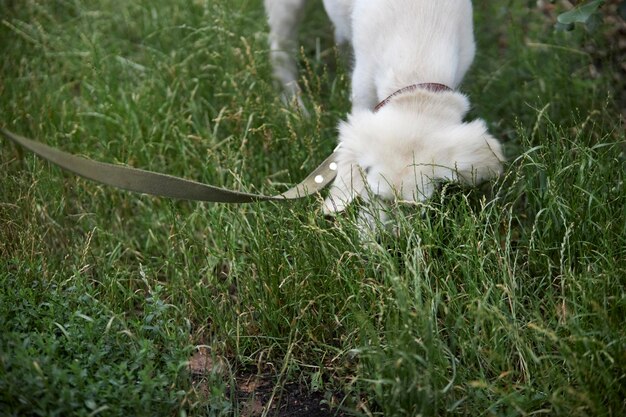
x,y
403,42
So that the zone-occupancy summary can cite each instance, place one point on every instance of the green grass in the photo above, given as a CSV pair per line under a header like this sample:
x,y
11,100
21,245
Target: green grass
x,y
504,301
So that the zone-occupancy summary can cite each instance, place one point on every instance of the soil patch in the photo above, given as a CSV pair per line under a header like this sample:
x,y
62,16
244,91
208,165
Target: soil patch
x,y
256,394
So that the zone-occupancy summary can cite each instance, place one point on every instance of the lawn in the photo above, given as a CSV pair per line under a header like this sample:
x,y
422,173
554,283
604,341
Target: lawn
x,y
506,300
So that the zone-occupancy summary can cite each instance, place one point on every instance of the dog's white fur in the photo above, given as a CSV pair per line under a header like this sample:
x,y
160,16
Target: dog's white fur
x,y
419,138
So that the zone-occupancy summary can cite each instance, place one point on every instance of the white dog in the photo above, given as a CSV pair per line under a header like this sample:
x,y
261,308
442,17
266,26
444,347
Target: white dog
x,y
405,133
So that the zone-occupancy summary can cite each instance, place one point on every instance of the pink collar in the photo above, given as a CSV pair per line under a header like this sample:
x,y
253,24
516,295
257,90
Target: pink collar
x,y
434,87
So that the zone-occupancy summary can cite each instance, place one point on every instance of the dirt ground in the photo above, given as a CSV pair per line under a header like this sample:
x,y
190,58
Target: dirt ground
x,y
256,392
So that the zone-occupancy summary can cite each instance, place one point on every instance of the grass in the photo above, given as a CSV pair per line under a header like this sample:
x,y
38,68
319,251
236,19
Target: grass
x,y
504,301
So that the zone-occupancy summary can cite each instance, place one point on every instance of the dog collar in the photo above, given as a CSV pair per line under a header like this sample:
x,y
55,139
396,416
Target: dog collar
x,y
434,87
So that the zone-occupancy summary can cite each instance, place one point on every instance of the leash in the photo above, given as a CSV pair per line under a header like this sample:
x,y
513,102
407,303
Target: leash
x,y
163,185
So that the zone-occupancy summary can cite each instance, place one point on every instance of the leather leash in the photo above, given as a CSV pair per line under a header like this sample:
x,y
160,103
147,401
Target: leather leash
x,y
162,185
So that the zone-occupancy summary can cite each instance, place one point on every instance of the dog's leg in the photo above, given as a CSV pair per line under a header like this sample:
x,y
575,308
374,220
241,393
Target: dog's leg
x,y
363,89
284,17
340,13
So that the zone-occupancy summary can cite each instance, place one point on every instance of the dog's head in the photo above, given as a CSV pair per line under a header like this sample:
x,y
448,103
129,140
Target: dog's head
x,y
404,150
